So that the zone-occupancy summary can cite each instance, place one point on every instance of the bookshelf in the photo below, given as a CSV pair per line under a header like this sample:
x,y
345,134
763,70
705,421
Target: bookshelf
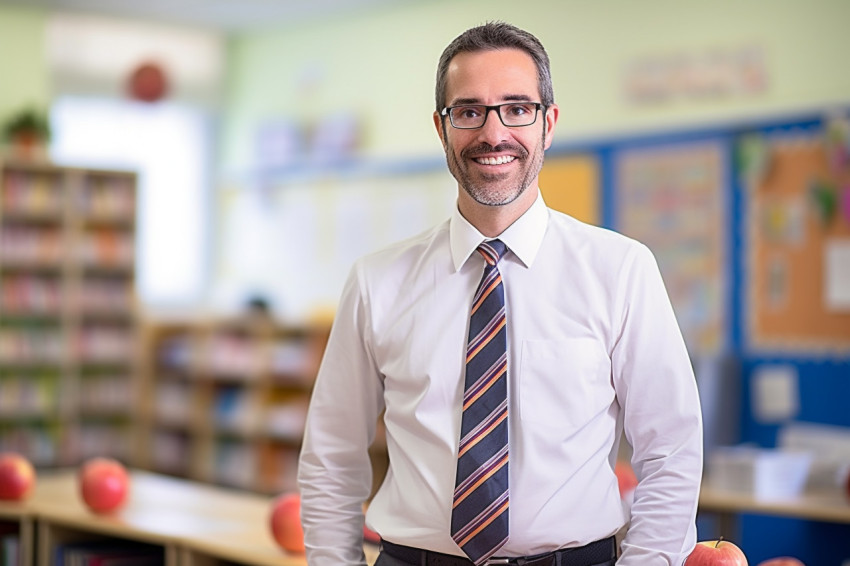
x,y
228,398
68,324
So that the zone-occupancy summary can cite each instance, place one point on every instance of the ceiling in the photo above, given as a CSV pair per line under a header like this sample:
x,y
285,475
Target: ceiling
x,y
223,15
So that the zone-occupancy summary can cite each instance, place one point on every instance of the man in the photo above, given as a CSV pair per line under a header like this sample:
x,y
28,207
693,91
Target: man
x,y
503,427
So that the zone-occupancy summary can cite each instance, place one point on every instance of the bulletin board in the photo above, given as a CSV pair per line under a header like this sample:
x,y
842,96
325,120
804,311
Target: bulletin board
x,y
799,245
671,196
571,184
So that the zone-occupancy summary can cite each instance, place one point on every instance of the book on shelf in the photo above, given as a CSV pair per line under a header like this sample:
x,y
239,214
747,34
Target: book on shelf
x,y
32,195
102,439
235,464
169,452
107,197
9,543
39,443
233,355
108,553
9,550
106,393
235,409
285,419
175,353
29,394
290,358
30,295
31,247
278,468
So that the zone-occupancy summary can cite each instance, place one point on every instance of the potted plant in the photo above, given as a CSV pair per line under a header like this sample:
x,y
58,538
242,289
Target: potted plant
x,y
27,131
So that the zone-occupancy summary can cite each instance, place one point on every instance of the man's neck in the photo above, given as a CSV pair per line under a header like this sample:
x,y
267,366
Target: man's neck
x,y
491,221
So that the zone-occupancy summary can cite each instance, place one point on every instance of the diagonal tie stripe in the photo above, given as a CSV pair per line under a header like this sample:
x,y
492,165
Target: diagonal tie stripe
x,y
483,428
486,381
480,475
488,284
482,520
487,333
481,497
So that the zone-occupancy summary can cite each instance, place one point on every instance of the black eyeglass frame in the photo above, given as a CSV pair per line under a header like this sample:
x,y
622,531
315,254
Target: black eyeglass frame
x,y
447,111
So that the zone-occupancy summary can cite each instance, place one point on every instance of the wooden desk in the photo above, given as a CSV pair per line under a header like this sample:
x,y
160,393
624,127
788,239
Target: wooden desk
x,y
831,506
195,524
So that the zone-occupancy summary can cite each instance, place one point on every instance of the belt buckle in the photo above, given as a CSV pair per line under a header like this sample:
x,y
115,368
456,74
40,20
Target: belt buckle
x,y
492,561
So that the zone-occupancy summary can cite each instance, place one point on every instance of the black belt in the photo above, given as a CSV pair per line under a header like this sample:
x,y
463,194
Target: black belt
x,y
598,552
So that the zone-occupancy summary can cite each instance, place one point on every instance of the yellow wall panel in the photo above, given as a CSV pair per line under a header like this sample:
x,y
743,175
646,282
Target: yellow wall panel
x,y
571,184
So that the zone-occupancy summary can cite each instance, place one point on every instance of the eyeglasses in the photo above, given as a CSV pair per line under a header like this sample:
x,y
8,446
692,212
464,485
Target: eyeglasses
x,y
473,116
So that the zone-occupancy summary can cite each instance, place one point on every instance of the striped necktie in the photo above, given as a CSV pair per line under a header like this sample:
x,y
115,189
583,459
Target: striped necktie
x,y
480,505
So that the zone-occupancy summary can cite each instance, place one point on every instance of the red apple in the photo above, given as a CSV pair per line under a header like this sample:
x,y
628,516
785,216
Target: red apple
x,y
626,478
104,484
17,476
371,536
716,553
782,561
285,522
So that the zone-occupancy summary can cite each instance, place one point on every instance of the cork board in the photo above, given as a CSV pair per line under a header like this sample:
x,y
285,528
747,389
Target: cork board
x,y
788,253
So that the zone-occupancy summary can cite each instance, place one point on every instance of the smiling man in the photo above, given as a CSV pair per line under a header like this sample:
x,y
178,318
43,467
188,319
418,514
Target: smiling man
x,y
509,349
494,163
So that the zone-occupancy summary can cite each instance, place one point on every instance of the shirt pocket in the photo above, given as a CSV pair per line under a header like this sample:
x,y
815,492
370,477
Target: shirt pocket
x,y
564,383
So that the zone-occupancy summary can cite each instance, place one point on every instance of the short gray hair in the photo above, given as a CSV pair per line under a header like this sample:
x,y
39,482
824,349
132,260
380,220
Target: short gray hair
x,y
489,37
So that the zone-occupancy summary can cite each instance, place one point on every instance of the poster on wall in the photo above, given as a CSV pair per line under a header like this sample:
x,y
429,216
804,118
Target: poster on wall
x,y
671,198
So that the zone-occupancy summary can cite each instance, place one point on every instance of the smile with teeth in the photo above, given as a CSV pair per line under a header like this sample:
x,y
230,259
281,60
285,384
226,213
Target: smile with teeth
x,y
501,160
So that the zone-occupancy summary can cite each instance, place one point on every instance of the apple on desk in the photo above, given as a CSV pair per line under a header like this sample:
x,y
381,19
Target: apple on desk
x,y
716,553
285,522
17,476
104,484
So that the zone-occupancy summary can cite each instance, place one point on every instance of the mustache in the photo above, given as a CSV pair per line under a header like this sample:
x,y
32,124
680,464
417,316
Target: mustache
x,y
485,148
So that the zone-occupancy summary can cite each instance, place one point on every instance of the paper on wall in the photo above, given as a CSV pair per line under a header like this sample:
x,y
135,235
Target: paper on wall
x,y
775,393
837,275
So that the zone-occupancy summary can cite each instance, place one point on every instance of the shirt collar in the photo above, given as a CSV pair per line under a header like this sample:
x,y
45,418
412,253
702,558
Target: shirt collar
x,y
523,237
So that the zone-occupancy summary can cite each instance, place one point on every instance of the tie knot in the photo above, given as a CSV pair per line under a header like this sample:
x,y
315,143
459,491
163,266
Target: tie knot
x,y
492,251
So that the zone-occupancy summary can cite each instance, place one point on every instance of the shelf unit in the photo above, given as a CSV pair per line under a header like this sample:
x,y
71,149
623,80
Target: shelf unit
x,y
227,399
69,355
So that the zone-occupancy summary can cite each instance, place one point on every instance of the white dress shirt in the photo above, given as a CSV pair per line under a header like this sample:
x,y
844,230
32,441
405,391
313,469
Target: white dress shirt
x,y
593,349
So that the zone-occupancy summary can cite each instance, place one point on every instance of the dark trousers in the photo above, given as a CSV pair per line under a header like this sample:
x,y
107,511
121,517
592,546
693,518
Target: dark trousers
x,y
599,553
385,559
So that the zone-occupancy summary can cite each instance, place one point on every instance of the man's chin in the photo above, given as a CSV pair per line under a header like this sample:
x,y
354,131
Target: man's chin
x,y
488,197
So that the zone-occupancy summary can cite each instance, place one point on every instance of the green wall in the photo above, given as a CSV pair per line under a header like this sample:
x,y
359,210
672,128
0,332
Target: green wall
x,y
381,64
23,72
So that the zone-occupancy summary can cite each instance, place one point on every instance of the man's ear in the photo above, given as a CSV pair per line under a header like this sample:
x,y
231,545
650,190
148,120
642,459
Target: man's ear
x,y
438,123
551,119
